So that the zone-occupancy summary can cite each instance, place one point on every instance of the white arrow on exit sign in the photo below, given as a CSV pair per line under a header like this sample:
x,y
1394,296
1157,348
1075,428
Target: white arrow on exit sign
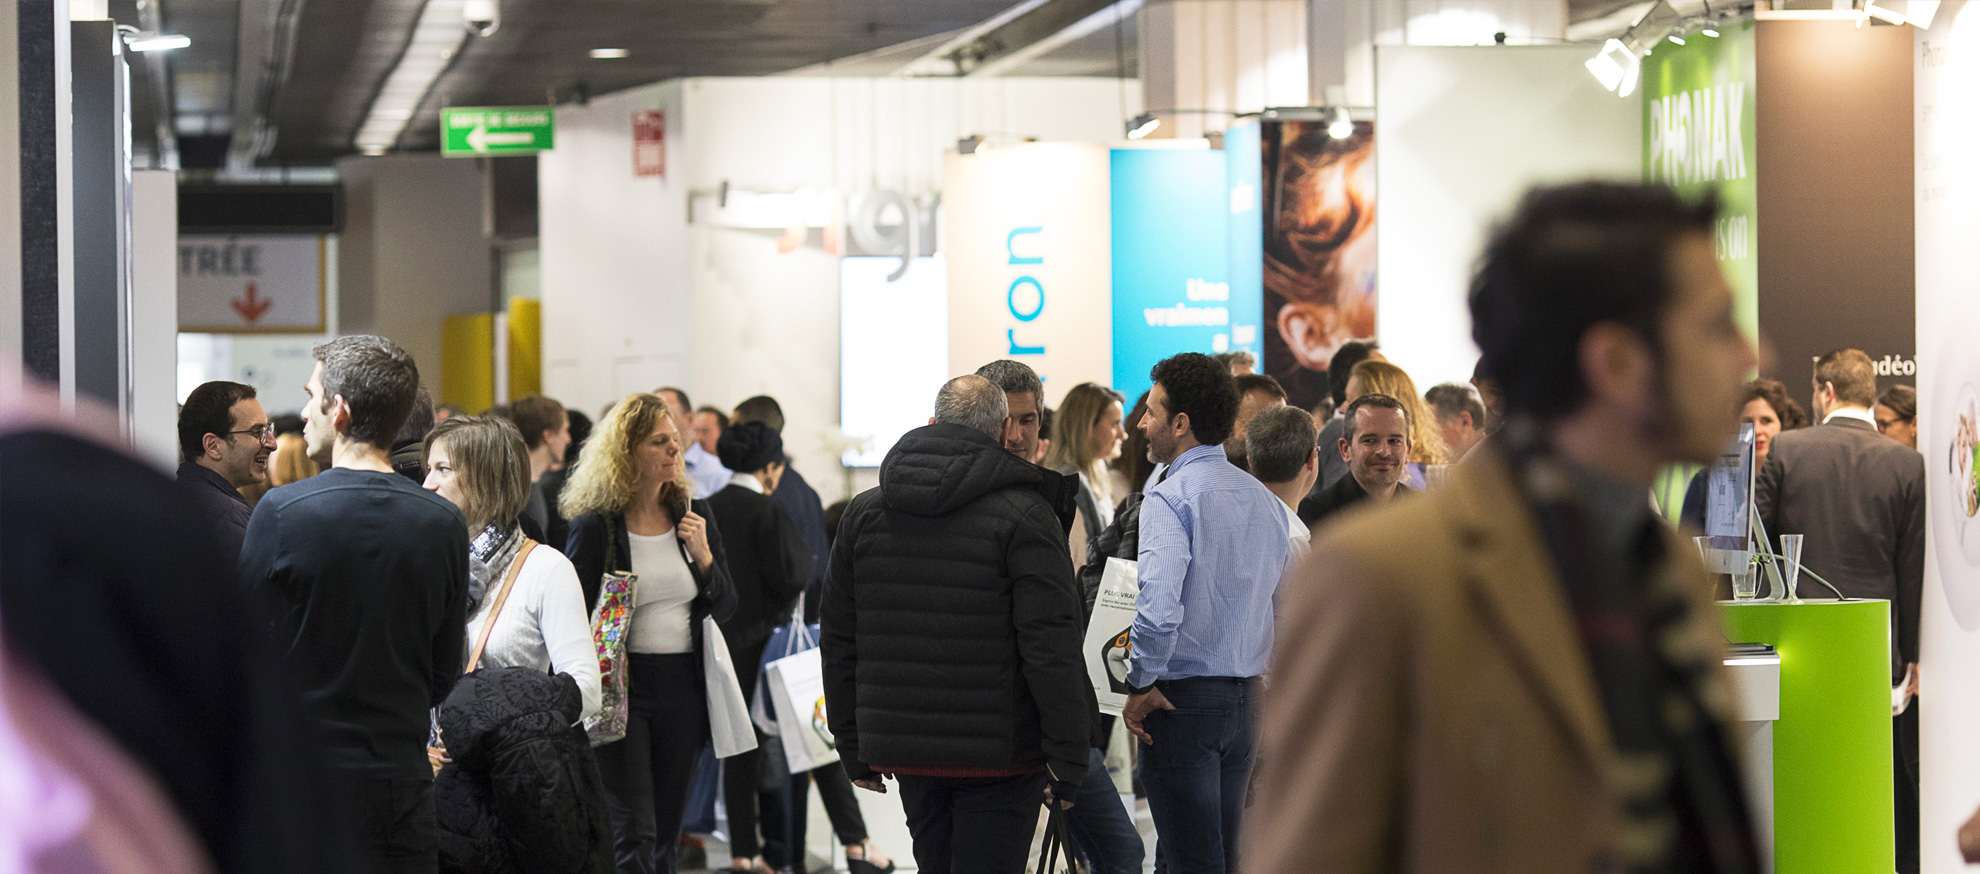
x,y
480,139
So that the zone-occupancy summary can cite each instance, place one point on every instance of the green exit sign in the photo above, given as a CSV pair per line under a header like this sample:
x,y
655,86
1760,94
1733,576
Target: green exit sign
x,y
473,131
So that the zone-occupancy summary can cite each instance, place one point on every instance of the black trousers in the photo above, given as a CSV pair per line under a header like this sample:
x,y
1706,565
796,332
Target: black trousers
x,y
742,775
647,774
395,815
972,825
786,821
1904,734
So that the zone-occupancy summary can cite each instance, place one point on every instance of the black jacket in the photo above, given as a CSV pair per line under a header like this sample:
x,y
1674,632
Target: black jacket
x,y
586,550
1344,493
219,505
115,591
807,514
1860,499
951,620
768,563
523,793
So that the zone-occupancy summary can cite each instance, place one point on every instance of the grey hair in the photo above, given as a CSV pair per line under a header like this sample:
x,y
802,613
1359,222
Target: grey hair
x,y
1014,378
974,403
1278,442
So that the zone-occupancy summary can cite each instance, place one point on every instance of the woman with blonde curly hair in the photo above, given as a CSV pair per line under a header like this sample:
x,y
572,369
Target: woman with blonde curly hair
x,y
629,502
1372,377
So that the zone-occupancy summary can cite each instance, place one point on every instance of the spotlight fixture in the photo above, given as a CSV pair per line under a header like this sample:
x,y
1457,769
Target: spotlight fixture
x,y
1609,64
1676,39
967,145
157,42
608,54
1711,32
1142,125
1342,126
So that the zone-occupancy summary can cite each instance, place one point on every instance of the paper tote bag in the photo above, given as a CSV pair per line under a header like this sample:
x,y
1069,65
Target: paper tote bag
x,y
728,712
1107,634
796,684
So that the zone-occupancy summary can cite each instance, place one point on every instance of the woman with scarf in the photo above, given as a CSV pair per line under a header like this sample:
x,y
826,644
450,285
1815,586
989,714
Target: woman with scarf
x,y
479,463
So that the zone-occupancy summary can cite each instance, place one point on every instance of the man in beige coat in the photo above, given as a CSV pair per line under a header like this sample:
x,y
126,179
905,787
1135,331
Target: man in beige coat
x,y
1521,672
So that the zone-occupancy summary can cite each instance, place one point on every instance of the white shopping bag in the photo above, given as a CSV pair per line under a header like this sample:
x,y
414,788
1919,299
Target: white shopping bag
x,y
728,713
1107,634
796,684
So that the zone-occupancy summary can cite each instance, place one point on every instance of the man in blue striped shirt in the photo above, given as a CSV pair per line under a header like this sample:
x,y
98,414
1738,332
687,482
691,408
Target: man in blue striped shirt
x,y
1213,546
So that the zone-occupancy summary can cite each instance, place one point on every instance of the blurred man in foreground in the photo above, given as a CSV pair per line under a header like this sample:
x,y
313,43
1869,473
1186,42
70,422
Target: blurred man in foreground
x,y
1521,671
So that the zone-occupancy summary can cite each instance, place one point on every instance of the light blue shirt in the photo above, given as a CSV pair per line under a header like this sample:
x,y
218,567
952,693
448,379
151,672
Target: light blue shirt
x,y
708,474
1213,547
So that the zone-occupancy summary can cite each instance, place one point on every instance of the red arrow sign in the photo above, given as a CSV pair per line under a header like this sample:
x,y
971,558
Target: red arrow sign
x,y
251,307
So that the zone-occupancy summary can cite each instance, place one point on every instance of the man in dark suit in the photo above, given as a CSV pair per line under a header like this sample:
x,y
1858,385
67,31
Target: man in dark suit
x,y
1859,497
1376,453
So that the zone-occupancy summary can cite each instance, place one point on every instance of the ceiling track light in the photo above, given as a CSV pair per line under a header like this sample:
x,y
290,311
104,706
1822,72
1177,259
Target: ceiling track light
x,y
1342,125
1142,125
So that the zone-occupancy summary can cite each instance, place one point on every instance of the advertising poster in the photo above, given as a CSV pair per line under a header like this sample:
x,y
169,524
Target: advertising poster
x,y
1029,243
1318,217
1698,137
1947,191
1172,288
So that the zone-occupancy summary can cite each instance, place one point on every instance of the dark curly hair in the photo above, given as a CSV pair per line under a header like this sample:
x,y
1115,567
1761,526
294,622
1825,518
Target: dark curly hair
x,y
1203,389
1571,257
1776,395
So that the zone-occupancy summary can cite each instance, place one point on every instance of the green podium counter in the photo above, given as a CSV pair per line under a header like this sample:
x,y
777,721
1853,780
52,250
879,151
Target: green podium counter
x,y
1831,742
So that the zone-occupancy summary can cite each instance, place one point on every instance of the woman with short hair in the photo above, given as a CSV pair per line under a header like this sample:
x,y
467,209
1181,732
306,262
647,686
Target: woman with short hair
x,y
479,463
629,502
513,725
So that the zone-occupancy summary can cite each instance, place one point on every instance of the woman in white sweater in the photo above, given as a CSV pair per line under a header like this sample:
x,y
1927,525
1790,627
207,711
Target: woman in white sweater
x,y
480,464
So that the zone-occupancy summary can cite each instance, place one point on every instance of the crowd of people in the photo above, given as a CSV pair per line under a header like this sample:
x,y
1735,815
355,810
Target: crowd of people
x,y
1486,649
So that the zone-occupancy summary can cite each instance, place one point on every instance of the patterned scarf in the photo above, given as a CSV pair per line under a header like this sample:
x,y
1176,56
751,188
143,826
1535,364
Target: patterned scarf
x,y
1682,805
489,555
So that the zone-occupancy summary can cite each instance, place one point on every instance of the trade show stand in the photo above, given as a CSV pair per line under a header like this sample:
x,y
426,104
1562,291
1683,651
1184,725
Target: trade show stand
x,y
1815,721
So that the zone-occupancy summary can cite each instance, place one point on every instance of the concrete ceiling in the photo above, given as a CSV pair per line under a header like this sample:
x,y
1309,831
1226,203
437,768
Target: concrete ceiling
x,y
287,82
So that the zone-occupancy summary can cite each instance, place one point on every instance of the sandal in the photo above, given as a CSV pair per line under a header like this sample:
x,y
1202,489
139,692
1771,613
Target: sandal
x,y
860,865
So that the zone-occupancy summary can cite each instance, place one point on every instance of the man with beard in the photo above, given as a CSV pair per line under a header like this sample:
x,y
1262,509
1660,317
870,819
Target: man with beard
x,y
224,444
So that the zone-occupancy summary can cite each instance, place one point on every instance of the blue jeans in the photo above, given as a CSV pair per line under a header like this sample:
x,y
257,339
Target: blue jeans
x,y
1198,771
1102,830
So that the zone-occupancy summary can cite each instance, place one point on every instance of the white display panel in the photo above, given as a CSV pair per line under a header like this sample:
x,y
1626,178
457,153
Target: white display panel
x,y
893,350
1463,132
1948,219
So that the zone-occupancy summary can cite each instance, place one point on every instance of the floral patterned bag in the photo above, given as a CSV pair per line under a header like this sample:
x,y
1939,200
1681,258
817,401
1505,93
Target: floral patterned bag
x,y
611,624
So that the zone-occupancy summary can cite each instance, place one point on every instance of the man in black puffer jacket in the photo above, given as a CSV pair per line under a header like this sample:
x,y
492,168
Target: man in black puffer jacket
x,y
951,637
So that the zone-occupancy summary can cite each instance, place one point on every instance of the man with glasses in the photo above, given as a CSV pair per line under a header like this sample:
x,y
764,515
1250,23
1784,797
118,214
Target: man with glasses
x,y
224,444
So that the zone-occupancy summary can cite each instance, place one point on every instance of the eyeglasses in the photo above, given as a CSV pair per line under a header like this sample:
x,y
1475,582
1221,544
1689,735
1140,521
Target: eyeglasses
x,y
259,432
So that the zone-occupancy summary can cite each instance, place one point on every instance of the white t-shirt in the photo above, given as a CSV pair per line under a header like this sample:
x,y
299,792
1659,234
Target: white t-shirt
x,y
661,620
543,625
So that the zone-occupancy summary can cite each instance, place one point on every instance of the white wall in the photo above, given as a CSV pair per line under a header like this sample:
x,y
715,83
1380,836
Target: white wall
x,y
155,315
412,251
1461,134
1948,198
635,298
1233,55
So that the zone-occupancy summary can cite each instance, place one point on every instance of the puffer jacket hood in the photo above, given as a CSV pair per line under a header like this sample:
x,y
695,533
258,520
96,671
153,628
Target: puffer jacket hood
x,y
938,469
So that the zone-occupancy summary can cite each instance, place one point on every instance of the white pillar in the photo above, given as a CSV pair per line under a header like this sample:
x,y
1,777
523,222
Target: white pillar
x,y
1221,56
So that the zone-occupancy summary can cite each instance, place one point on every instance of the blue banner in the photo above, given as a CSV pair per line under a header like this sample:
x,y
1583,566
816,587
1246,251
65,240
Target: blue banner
x,y
1172,218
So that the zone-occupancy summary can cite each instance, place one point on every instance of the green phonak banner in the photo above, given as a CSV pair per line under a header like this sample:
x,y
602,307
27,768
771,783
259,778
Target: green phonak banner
x,y
1698,136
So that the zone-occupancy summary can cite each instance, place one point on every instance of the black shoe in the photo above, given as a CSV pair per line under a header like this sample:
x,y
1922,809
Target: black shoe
x,y
691,857
861,866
